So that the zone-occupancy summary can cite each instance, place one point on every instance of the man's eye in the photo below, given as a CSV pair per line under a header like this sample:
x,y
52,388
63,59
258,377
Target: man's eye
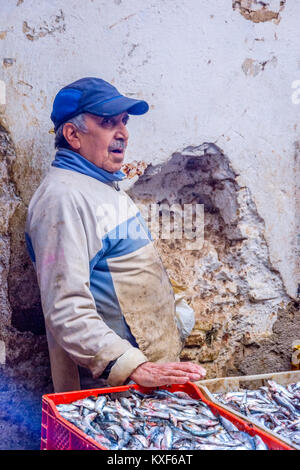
x,y
107,122
125,120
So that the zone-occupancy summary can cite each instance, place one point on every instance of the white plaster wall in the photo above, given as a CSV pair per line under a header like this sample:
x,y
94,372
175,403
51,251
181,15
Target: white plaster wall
x,y
190,60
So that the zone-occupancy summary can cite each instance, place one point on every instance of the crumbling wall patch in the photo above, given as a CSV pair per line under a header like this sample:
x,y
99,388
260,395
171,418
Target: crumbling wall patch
x,y
231,283
55,24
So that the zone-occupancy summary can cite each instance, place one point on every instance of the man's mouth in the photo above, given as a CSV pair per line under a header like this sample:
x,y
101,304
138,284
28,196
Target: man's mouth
x,y
117,148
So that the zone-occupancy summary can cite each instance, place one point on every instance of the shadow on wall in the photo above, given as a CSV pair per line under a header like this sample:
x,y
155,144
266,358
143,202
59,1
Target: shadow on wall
x,y
23,290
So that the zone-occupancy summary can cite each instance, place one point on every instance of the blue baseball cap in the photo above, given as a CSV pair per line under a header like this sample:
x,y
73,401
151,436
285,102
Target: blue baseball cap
x,y
95,96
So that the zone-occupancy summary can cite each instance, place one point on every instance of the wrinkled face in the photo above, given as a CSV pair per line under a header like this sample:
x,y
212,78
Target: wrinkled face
x,y
105,141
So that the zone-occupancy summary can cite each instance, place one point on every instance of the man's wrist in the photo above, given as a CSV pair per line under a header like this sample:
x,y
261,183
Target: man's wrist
x,y
134,371
107,369
125,365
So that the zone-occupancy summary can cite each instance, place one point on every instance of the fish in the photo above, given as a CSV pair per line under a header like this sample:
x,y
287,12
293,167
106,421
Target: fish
x,y
167,439
127,425
159,420
86,403
67,408
100,403
275,406
295,438
259,443
115,431
196,431
126,404
87,422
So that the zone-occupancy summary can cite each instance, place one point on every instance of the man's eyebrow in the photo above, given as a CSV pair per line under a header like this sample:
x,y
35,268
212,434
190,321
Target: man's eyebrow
x,y
100,119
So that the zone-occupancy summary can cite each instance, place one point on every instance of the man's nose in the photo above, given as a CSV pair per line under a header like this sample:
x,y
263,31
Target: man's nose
x,y
122,132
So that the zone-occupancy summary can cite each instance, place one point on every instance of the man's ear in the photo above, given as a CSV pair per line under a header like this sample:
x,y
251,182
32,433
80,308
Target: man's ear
x,y
70,133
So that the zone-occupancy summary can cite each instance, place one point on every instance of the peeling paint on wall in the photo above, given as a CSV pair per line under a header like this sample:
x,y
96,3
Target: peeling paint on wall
x,y
134,168
259,11
125,18
55,24
253,67
7,62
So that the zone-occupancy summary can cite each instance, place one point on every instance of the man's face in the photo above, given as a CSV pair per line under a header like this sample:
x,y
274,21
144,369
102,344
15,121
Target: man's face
x,y
105,141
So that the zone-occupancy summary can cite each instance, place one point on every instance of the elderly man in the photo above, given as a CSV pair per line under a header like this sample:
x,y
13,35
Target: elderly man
x,y
106,297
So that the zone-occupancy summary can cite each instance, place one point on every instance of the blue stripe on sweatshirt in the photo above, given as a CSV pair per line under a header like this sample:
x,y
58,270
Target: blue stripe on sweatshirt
x,y
101,282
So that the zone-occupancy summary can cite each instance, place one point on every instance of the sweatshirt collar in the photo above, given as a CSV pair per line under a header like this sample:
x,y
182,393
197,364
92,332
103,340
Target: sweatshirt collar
x,y
69,160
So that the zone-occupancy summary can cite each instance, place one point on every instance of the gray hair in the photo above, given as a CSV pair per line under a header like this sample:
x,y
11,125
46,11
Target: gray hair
x,y
78,121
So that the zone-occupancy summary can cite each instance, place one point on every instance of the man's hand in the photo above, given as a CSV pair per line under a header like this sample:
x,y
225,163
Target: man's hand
x,y
150,374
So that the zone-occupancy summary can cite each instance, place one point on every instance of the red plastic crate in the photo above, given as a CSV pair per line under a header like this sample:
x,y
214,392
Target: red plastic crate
x,y
59,434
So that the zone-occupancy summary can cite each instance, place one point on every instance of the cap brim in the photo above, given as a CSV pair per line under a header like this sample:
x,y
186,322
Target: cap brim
x,y
118,106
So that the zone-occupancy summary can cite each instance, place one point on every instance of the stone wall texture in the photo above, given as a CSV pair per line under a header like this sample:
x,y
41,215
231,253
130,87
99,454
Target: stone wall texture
x,y
222,131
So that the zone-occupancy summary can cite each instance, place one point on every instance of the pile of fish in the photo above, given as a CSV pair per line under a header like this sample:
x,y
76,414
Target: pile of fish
x,y
274,406
160,420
